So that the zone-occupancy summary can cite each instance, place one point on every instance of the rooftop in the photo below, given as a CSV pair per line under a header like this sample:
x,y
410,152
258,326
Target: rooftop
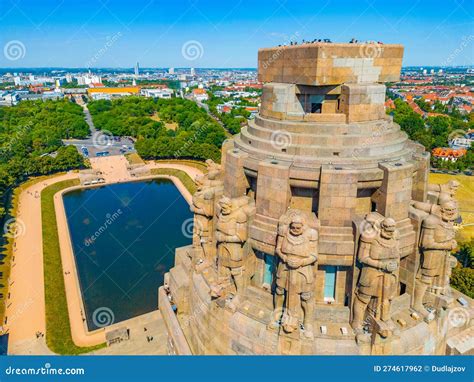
x,y
320,64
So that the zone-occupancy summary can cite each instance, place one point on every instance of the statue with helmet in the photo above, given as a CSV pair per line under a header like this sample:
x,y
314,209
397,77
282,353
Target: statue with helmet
x,y
379,258
436,243
231,235
297,248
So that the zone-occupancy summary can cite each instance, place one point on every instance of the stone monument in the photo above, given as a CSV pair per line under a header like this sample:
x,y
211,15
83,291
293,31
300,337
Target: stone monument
x,y
321,234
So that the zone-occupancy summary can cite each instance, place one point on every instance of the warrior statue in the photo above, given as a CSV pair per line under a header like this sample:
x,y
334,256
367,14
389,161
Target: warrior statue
x,y
231,235
379,256
440,193
203,209
297,248
436,243
214,170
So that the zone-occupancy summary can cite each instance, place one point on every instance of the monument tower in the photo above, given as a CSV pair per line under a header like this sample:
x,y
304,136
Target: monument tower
x,y
318,233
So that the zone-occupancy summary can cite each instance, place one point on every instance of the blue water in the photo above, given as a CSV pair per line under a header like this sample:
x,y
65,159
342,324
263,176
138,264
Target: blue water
x,y
124,237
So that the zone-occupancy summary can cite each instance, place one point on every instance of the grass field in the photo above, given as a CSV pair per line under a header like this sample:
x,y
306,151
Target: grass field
x,y
134,158
465,197
188,162
181,175
58,329
169,125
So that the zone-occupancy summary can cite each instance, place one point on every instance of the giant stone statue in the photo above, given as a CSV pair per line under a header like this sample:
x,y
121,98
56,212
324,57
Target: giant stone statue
x,y
379,257
209,187
436,243
297,248
231,235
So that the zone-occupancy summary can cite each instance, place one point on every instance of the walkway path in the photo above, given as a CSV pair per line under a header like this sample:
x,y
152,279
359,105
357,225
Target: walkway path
x,y
26,307
88,119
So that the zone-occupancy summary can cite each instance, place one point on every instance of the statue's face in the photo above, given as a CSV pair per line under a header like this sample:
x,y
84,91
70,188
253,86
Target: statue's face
x,y
296,228
388,231
226,208
453,189
449,213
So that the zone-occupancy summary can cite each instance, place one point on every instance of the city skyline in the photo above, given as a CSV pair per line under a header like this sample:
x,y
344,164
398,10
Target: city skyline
x,y
205,34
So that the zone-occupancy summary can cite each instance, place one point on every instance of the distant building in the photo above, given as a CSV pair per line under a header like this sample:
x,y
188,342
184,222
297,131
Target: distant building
x,y
446,154
171,70
88,79
109,93
157,93
137,69
200,95
461,143
9,99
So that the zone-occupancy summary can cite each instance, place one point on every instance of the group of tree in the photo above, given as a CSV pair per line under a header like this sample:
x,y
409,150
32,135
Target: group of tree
x,y
435,131
31,136
462,277
236,118
195,134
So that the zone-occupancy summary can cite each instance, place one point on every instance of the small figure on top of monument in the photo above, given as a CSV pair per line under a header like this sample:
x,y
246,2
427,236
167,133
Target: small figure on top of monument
x,y
436,243
297,247
231,235
379,256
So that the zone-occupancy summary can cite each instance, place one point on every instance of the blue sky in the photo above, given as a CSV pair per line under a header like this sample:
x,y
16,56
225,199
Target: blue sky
x,y
156,33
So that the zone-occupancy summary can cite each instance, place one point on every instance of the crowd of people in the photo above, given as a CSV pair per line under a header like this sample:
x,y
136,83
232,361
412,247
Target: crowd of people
x,y
328,41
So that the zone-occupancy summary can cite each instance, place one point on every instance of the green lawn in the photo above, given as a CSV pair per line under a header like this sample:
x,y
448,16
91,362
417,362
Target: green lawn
x,y
181,175
58,329
188,162
134,158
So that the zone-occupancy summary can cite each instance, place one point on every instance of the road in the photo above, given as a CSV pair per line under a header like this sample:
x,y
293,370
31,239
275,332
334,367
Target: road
x,y
88,118
100,141
206,107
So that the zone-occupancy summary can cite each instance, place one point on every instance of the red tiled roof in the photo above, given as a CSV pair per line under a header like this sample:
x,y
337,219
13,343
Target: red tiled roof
x,y
443,152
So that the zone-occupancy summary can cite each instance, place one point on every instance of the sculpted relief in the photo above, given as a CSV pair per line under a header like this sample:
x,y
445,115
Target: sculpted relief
x,y
231,235
297,248
436,243
379,257
209,187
